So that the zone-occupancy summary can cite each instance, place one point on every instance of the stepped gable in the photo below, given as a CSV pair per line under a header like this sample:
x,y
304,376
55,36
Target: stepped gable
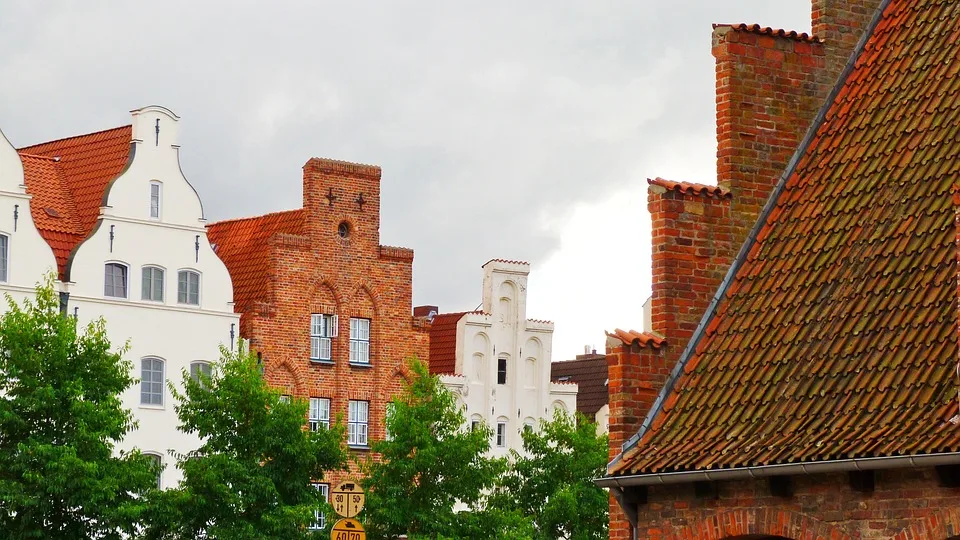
x,y
837,336
242,244
67,179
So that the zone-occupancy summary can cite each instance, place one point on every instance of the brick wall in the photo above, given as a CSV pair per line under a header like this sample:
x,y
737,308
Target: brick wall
x,y
352,276
839,24
906,503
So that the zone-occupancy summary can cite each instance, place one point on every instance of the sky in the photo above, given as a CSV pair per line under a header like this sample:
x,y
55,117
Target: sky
x,y
517,130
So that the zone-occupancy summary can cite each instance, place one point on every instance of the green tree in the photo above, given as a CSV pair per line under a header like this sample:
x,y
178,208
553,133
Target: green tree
x,y
60,419
251,477
552,480
430,461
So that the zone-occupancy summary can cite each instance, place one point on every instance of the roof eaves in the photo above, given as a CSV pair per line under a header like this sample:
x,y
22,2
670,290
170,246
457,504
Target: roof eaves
x,y
748,244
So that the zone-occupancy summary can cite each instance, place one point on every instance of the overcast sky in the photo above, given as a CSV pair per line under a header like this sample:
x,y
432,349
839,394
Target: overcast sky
x,y
522,130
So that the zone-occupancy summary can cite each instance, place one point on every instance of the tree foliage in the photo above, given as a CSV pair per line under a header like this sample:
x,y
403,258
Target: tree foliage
x,y
251,477
60,419
552,480
430,462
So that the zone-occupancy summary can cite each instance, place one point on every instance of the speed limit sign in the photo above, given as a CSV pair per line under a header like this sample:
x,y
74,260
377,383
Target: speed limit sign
x,y
347,499
348,529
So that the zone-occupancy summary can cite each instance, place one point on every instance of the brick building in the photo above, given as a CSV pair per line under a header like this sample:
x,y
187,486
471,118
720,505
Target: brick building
x,y
812,395
326,307
589,372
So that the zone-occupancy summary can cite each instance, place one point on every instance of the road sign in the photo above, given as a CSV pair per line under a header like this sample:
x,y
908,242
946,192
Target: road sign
x,y
347,499
347,529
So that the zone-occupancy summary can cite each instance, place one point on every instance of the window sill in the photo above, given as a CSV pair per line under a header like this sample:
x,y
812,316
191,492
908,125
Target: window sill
x,y
153,407
359,447
361,365
322,362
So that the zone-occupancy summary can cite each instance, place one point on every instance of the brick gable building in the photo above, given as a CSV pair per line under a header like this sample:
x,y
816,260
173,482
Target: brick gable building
x,y
326,307
813,395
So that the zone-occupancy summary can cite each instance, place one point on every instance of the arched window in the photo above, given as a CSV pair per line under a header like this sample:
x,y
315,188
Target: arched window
x,y
156,189
156,460
151,287
188,287
502,369
4,256
115,280
199,368
500,437
152,381
475,422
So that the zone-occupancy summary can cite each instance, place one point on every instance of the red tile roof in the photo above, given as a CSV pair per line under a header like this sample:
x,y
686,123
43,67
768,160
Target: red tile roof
x,y
69,177
443,343
767,31
590,374
242,244
689,187
837,336
632,337
508,261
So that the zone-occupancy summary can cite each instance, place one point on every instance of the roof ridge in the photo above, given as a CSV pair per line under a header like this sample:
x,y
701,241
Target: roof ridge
x,y
758,226
693,188
39,156
768,31
44,143
261,216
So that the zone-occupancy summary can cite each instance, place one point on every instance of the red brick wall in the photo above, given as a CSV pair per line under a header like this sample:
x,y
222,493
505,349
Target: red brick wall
x,y
906,503
320,272
840,23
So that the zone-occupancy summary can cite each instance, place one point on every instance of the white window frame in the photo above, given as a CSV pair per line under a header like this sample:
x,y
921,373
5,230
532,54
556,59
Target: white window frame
x,y
319,518
359,341
200,365
319,414
126,278
323,328
155,213
358,422
188,272
4,258
158,457
163,282
285,398
162,382
500,437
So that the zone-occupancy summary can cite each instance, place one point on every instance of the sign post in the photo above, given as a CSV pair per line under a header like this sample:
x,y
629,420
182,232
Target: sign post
x,y
347,500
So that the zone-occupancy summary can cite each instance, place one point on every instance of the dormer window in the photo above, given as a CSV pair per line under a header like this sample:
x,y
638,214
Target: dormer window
x,y
188,287
155,200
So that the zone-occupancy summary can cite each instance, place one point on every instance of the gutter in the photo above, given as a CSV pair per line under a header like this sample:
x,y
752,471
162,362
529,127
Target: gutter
x,y
784,469
751,239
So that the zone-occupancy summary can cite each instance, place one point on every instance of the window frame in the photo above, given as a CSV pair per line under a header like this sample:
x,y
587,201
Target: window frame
x,y
4,258
198,363
500,435
163,282
159,185
359,345
319,517
323,328
162,382
158,458
318,405
188,272
502,370
125,275
355,435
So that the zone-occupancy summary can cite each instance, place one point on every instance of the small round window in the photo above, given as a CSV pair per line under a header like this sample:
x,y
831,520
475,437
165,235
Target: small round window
x,y
343,229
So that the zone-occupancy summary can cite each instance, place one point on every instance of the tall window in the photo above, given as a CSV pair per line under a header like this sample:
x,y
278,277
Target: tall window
x,y
156,460
319,519
154,199
357,417
501,434
115,280
322,328
151,381
199,368
188,287
501,371
360,341
152,283
4,248
319,413
391,409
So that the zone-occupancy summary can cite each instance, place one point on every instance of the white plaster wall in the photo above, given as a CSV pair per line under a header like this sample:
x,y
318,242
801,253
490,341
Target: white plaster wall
x,y
603,420
482,338
178,334
29,256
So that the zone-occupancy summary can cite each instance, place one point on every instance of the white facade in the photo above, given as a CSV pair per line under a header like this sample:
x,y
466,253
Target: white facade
x,y
24,255
503,361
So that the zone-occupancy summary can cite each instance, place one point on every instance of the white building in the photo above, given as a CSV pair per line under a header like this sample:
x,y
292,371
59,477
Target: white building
x,y
127,231
497,361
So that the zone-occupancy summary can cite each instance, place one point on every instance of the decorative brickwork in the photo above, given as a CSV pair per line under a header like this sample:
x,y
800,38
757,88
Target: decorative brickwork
x,y
329,262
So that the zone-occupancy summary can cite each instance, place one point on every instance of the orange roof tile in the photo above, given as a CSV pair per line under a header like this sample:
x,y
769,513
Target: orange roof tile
x,y
443,343
242,244
67,179
508,261
639,338
837,335
689,187
767,31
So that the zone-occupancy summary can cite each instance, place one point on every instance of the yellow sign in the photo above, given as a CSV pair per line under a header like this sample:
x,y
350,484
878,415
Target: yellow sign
x,y
347,499
348,529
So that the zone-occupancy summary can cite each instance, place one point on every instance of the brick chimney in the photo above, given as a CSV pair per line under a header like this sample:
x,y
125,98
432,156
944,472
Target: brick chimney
x,y
342,202
840,24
